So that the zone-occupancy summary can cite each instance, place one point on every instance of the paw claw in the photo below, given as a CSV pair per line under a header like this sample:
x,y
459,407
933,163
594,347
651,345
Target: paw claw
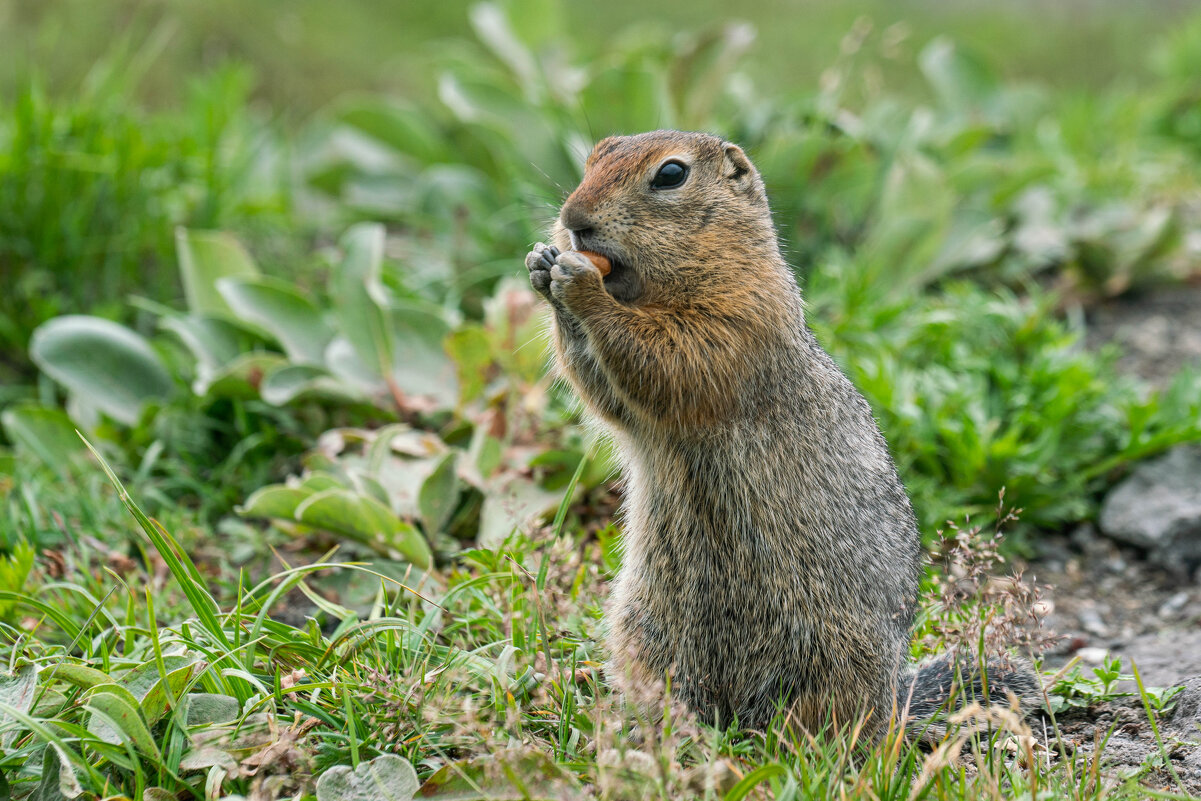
x,y
538,262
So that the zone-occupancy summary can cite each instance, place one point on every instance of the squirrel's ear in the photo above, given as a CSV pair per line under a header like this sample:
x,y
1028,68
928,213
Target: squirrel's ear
x,y
738,170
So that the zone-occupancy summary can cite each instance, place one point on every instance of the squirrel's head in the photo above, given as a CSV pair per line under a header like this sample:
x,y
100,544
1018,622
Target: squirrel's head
x,y
669,210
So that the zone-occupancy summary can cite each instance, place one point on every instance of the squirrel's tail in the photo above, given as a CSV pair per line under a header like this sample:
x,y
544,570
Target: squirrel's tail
x,y
931,690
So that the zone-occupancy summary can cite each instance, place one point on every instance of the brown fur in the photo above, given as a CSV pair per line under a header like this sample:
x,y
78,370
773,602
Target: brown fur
x,y
771,553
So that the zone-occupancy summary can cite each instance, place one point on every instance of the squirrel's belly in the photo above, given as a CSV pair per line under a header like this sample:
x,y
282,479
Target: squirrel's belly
x,y
743,595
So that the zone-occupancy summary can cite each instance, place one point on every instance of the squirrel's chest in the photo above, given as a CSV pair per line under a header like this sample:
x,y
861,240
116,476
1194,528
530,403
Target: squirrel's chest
x,y
702,550
707,540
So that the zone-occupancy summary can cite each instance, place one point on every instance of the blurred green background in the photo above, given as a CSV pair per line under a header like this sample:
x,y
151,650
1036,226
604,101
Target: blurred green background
x,y
308,52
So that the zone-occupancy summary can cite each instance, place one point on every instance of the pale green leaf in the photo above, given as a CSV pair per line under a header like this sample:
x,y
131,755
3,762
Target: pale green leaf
x,y
513,504
385,778
204,258
295,381
274,501
146,684
114,368
59,781
79,675
116,718
241,379
17,690
403,128
359,317
44,433
471,350
212,342
365,520
439,495
203,709
280,309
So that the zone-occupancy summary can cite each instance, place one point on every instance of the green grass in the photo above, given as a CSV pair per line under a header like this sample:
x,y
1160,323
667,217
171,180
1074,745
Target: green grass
x,y
502,669
140,680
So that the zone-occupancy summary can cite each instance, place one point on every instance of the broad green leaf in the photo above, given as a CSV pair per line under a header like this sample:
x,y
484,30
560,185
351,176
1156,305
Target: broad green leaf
x,y
365,520
204,258
511,505
292,381
528,776
202,709
421,365
319,480
241,379
280,309
59,782
146,684
208,756
557,466
274,501
142,679
539,23
45,433
16,691
403,479
114,706
212,342
114,368
385,778
471,350
349,367
49,704
485,453
359,317
439,495
79,675
367,485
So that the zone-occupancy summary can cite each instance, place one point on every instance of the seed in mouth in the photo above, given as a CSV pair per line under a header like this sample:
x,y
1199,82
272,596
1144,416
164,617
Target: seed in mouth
x,y
600,262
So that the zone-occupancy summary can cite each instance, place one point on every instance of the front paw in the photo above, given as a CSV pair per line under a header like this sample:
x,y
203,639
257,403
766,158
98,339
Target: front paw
x,y
573,278
539,262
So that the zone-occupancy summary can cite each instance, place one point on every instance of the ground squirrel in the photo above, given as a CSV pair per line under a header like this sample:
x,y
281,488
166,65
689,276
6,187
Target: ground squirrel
x,y
770,551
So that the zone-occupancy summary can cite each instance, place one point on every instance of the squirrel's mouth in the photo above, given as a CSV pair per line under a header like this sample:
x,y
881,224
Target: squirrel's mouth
x,y
623,281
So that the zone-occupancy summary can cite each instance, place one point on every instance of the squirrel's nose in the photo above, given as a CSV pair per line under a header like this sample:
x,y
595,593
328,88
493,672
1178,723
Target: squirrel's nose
x,y
576,219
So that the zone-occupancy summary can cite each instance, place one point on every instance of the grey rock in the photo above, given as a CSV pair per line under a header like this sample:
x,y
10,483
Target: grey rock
x,y
1184,725
1164,658
1173,605
1084,535
1091,621
1158,508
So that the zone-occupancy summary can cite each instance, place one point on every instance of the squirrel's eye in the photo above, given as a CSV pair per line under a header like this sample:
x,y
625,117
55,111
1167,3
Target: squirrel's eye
x,y
670,175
